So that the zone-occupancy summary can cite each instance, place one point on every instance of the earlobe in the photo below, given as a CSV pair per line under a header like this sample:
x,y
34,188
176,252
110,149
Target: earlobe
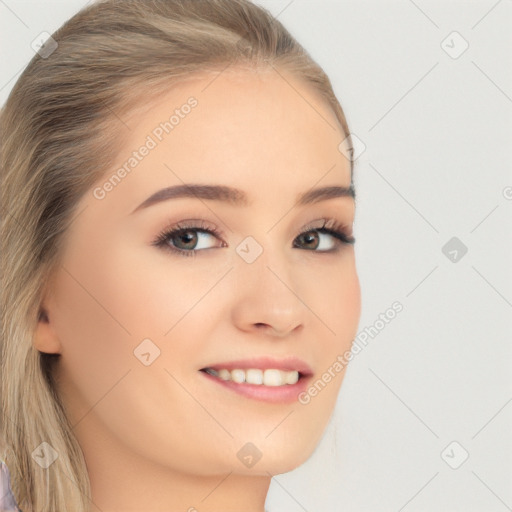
x,y
45,338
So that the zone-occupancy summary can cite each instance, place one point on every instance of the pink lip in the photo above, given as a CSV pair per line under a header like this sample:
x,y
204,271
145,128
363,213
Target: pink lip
x,y
286,394
263,363
274,394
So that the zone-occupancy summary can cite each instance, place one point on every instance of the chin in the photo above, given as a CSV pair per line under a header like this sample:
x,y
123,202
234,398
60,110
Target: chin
x,y
279,455
277,465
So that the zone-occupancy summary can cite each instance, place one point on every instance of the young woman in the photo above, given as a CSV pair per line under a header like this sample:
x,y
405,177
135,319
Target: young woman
x,y
134,378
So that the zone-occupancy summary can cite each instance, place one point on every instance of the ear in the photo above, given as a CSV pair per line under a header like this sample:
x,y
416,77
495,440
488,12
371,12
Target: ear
x,y
45,337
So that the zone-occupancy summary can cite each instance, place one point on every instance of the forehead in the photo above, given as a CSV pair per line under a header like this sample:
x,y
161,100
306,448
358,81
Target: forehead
x,y
244,109
255,130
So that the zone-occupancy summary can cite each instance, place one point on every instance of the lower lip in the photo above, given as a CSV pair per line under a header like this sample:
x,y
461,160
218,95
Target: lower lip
x,y
285,394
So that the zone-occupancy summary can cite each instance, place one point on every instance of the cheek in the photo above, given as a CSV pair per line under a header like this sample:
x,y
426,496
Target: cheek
x,y
349,305
335,299
338,303
94,328
113,296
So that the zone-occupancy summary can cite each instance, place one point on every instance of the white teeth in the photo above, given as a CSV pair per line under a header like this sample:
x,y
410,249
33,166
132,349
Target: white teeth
x,y
254,376
273,378
225,374
292,377
269,377
238,376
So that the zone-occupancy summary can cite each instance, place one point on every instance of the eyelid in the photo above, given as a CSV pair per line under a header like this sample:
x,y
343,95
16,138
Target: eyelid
x,y
199,224
328,224
193,224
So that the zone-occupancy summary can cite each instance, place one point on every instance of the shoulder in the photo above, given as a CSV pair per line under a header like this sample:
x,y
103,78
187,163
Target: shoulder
x,y
7,501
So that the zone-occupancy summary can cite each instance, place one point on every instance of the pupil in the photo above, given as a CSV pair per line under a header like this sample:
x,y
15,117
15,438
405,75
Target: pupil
x,y
310,237
190,235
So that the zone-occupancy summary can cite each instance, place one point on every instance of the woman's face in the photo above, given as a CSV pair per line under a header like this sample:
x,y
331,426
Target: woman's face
x,y
136,321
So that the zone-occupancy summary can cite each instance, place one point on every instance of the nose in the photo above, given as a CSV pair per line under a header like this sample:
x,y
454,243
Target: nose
x,y
266,300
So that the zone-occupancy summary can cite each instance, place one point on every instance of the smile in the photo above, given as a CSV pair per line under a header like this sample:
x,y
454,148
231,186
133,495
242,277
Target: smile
x,y
268,377
276,386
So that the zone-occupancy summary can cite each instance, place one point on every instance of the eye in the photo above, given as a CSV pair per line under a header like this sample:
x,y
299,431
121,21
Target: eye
x,y
311,236
187,238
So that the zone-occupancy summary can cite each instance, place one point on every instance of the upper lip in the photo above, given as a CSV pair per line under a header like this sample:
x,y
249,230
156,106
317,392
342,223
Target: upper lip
x,y
264,363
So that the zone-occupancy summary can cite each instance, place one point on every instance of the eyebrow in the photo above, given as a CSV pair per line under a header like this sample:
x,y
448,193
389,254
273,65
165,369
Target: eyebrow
x,y
238,197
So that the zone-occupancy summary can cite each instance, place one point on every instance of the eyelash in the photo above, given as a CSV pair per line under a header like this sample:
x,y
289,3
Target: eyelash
x,y
330,227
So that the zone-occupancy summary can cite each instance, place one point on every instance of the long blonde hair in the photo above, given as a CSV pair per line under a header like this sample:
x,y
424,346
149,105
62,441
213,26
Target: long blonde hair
x,y
60,129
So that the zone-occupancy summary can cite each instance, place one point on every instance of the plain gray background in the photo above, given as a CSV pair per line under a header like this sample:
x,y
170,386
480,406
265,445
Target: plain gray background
x,y
434,385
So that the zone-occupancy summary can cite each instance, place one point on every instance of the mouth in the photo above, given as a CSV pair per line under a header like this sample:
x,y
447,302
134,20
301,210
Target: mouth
x,y
270,377
263,379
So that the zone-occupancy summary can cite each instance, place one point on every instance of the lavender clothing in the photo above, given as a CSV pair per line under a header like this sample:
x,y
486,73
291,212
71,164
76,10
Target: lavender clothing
x,y
7,501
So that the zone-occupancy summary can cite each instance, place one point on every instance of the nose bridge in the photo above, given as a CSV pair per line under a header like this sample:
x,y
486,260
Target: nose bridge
x,y
262,264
